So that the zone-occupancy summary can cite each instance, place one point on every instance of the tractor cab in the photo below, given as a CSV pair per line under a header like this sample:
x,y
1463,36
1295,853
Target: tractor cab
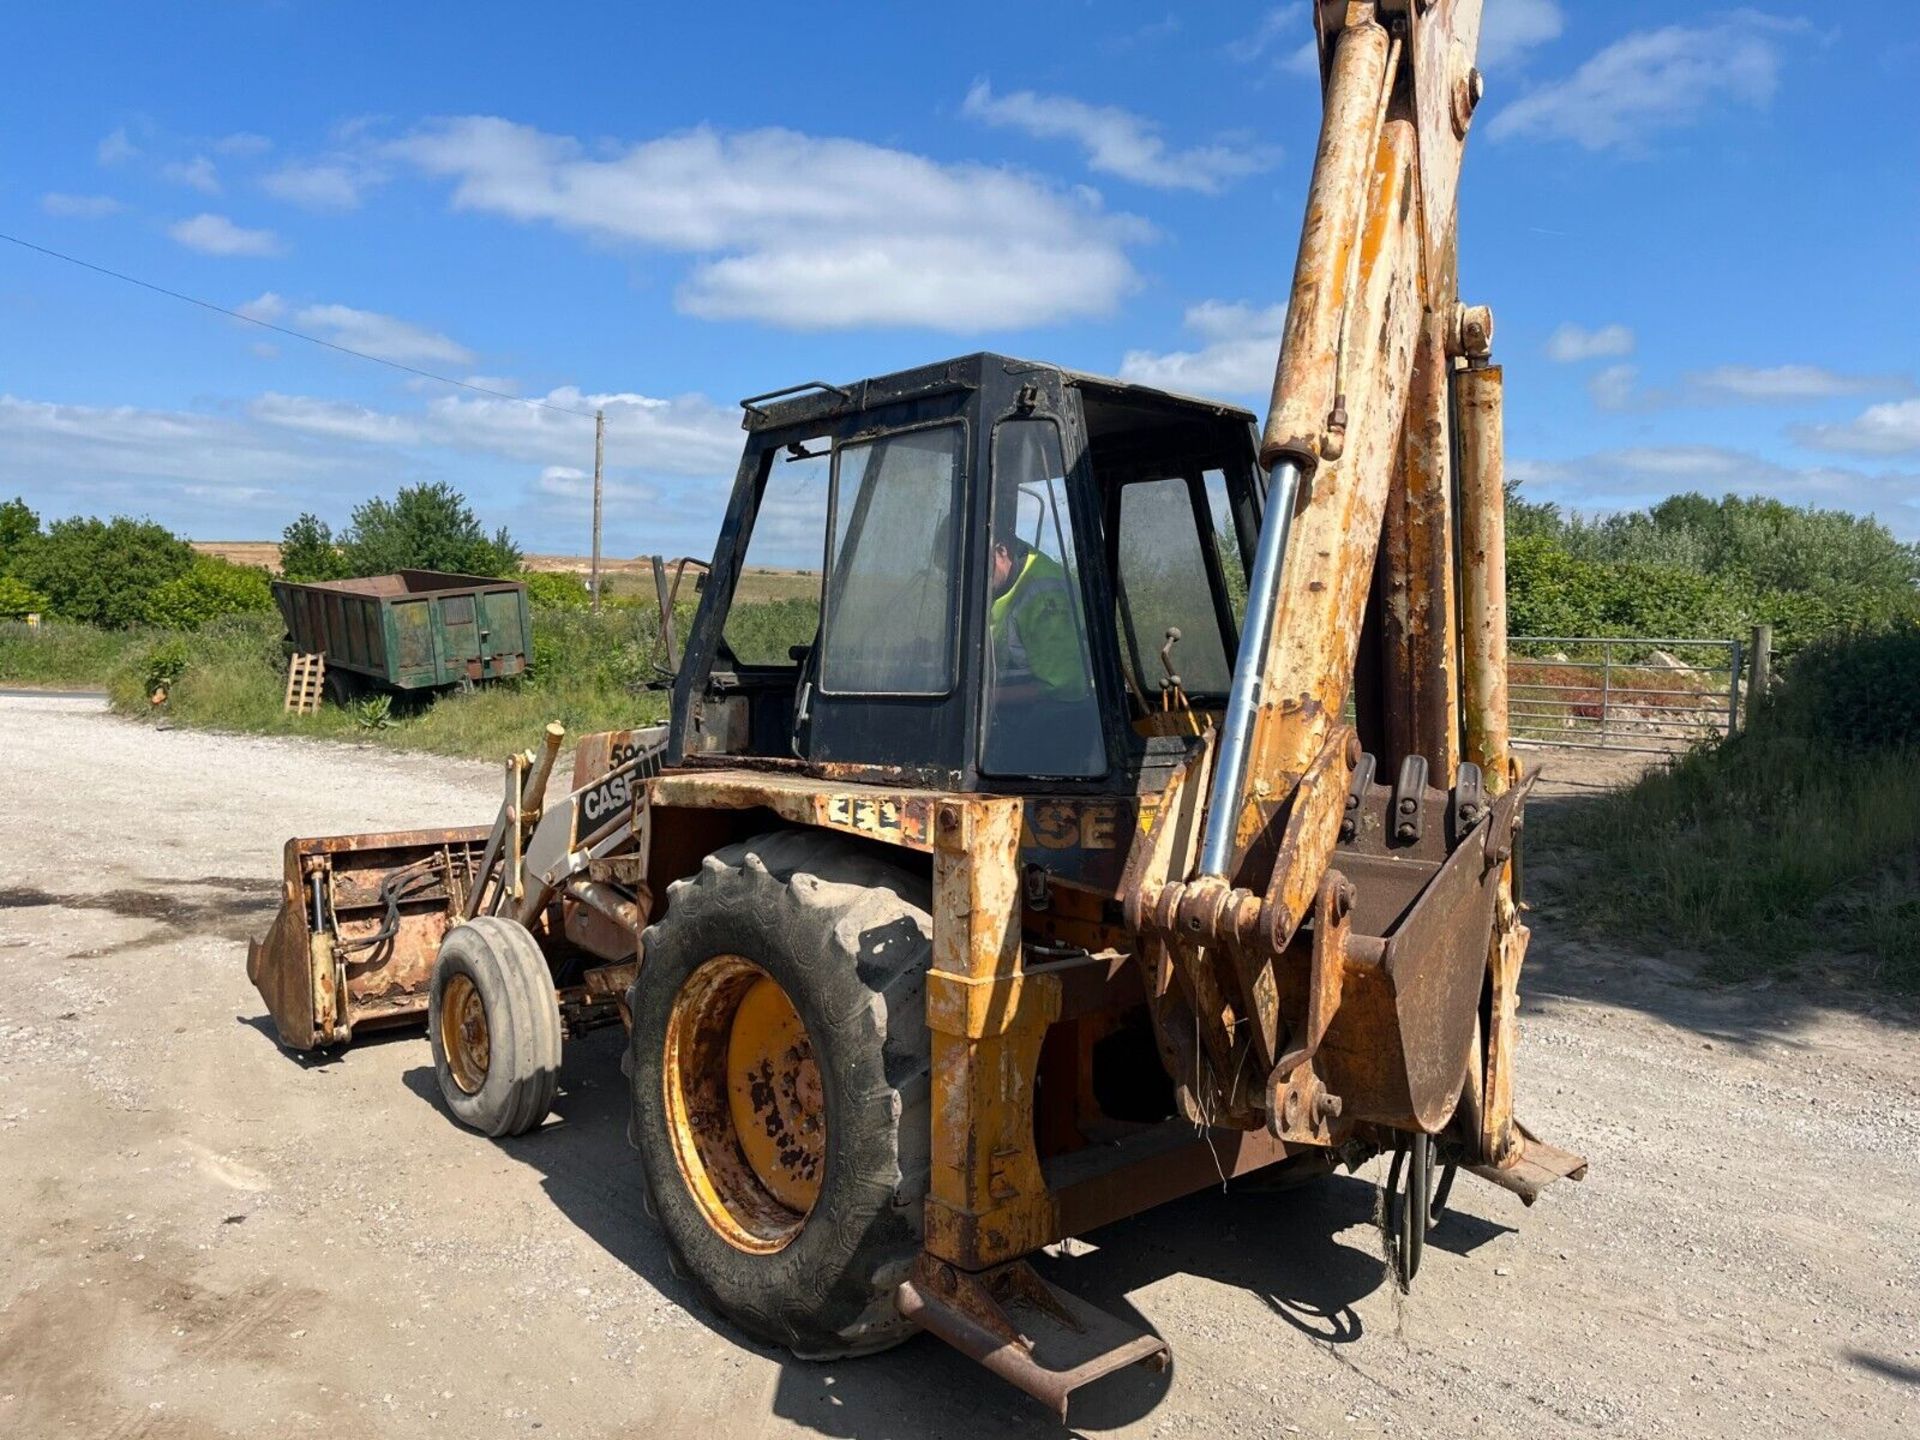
x,y
1017,577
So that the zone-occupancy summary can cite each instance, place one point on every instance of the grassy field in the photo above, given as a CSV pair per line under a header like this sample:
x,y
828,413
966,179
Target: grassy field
x,y
231,675
1796,842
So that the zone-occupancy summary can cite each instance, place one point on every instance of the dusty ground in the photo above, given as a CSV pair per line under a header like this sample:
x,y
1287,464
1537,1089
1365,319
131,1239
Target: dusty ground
x,y
203,1236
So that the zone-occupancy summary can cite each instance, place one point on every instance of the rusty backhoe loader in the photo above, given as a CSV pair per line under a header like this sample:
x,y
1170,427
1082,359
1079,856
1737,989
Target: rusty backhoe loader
x,y
1042,881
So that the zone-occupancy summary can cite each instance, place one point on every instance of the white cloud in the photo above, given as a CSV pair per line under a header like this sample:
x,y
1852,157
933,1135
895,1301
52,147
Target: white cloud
x,y
243,143
574,487
382,335
1280,28
1765,385
1241,349
687,435
196,174
115,148
1632,479
1614,388
111,454
318,185
1654,80
217,235
1892,428
79,207
268,306
805,232
1510,28
335,419
1116,141
1571,344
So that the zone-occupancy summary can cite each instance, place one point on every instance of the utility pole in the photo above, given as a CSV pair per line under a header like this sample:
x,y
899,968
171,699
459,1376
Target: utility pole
x,y
599,455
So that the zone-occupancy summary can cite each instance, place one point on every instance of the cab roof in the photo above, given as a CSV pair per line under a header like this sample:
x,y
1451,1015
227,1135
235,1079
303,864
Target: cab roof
x,y
814,401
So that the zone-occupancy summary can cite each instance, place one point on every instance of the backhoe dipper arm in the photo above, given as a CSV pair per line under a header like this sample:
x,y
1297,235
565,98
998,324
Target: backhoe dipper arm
x,y
1373,302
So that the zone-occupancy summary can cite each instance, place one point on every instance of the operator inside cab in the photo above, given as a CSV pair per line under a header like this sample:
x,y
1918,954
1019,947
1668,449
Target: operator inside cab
x,y
1043,716
1036,641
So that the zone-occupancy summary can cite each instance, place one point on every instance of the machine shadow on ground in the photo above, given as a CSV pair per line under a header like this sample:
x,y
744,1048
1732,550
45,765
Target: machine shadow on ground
x,y
925,1388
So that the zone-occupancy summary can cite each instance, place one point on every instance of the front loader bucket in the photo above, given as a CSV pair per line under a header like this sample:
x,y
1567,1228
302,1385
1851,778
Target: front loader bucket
x,y
361,920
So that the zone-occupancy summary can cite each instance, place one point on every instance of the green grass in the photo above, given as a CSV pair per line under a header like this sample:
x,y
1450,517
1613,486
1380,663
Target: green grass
x,y
234,678
64,656
1759,853
1792,843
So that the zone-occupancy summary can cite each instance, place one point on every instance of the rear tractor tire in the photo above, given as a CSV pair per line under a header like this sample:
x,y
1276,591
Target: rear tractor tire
x,y
494,1023
780,1065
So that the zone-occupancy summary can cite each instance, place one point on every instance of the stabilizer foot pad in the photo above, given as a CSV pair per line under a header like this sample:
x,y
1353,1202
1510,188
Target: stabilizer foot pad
x,y
1033,1335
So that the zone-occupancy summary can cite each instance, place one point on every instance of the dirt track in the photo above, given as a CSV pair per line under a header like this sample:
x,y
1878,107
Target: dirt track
x,y
203,1236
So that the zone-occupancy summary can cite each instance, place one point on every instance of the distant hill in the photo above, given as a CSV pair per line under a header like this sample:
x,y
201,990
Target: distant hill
x,y
625,575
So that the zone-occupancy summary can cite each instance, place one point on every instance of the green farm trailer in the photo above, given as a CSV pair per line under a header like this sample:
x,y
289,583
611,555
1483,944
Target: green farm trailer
x,y
411,630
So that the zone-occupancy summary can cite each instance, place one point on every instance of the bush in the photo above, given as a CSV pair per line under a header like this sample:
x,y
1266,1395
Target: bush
x,y
1859,690
213,587
16,598
425,527
103,572
164,664
556,590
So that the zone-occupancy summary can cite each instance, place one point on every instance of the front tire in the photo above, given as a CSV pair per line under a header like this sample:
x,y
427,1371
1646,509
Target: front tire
x,y
495,1027
780,1064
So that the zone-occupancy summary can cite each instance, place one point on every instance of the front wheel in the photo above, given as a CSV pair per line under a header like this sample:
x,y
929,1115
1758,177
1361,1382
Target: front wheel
x,y
494,1024
780,1064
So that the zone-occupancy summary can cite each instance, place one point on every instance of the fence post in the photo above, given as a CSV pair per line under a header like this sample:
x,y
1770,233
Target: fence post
x,y
1606,688
1760,667
1733,688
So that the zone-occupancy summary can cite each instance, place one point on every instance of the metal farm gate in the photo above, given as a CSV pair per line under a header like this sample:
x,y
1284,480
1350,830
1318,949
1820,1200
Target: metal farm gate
x,y
1622,693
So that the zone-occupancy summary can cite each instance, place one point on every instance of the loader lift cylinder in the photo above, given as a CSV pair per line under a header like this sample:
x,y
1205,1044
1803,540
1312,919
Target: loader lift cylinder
x,y
1243,700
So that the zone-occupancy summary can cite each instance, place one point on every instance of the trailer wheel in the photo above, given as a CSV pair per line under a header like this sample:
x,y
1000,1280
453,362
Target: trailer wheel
x,y
342,686
495,1027
780,1068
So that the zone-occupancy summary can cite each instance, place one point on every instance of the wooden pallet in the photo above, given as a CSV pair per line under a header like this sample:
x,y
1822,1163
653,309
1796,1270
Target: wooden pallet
x,y
306,679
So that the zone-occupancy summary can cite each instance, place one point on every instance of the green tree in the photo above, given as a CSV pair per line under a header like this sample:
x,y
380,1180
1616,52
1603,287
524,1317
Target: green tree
x,y
426,527
308,551
103,572
18,525
1528,519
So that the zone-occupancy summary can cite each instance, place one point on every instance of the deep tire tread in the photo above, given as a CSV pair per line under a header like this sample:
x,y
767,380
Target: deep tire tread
x,y
854,934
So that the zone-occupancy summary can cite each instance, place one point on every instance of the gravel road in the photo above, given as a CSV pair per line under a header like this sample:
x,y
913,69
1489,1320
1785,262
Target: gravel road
x,y
201,1235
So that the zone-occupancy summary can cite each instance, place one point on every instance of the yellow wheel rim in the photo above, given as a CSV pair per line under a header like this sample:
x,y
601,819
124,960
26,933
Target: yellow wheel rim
x,y
745,1107
463,1034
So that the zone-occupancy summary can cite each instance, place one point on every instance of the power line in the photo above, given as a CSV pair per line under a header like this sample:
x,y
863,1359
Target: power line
x,y
295,334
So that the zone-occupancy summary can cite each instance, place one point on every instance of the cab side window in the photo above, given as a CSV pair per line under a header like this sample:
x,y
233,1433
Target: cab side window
x,y
1042,712
782,563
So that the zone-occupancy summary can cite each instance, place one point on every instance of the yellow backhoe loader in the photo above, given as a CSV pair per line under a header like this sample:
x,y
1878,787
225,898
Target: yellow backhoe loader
x,y
1136,810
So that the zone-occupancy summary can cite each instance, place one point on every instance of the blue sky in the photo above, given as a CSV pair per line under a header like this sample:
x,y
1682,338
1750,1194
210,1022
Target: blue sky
x,y
1699,228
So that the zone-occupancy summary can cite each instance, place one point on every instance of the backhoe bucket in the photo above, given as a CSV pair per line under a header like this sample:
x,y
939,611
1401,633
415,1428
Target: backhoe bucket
x,y
361,920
